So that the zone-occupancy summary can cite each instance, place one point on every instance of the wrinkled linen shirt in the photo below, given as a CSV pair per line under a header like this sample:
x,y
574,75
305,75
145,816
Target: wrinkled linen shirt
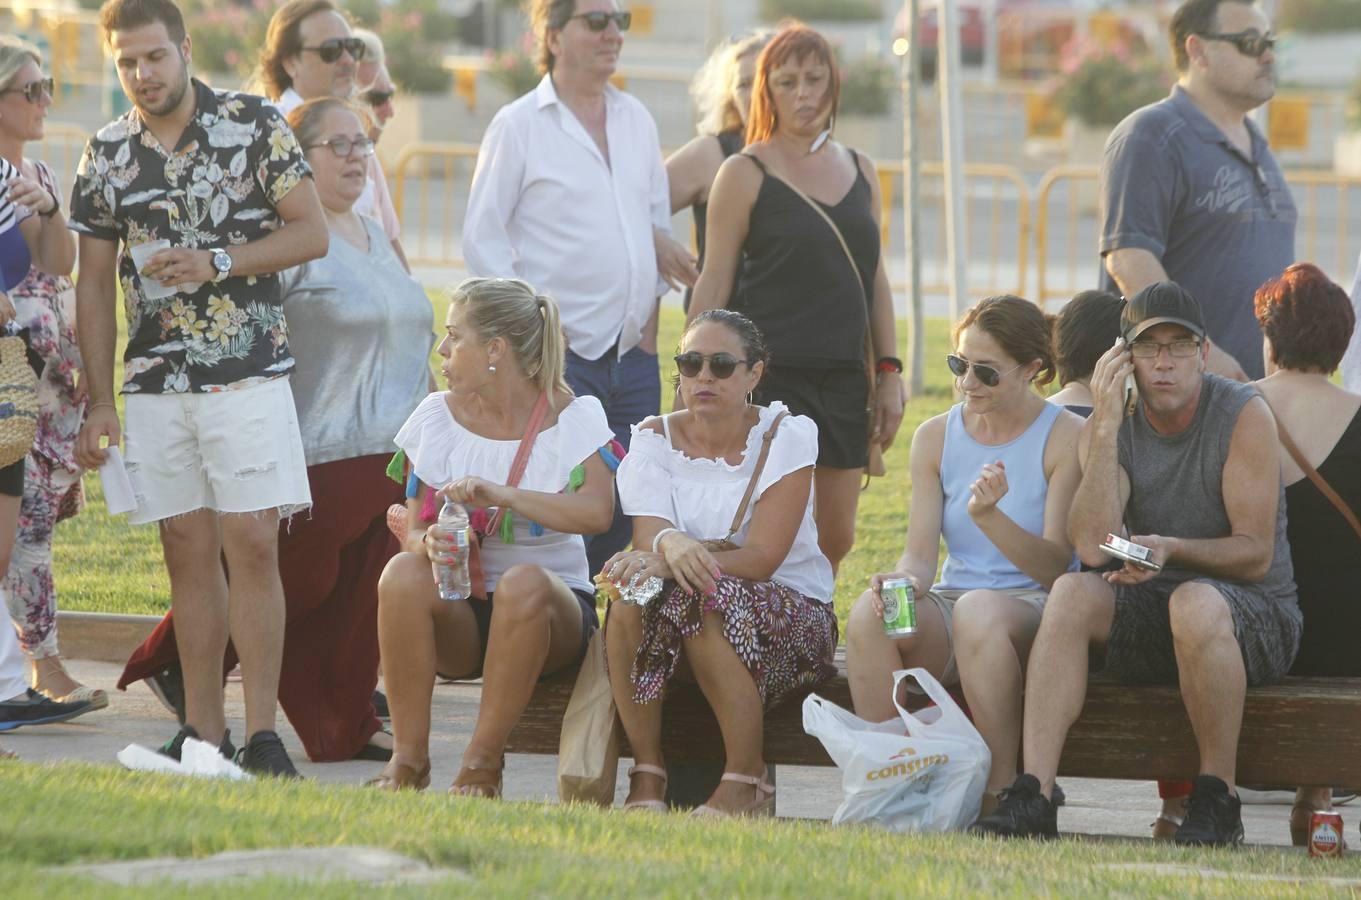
x,y
548,208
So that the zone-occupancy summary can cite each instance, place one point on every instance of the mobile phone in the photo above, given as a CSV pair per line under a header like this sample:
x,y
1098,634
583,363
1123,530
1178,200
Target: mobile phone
x,y
1130,552
1131,391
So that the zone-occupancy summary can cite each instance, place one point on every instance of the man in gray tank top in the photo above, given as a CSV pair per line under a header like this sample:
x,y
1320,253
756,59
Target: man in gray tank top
x,y
1193,475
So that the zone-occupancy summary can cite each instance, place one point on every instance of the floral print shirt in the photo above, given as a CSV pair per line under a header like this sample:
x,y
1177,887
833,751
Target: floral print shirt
x,y
235,162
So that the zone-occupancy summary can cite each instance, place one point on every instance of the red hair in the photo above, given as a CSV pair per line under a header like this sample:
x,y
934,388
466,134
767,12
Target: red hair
x,y
796,41
1307,317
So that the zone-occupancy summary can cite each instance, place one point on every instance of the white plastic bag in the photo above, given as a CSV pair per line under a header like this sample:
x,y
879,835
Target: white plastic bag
x,y
924,772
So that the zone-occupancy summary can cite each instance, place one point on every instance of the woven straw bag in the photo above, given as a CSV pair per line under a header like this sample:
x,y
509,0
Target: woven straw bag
x,y
18,401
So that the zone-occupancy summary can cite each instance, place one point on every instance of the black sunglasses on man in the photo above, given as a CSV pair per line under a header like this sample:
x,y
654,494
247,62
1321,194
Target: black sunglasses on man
x,y
1249,43
598,20
330,50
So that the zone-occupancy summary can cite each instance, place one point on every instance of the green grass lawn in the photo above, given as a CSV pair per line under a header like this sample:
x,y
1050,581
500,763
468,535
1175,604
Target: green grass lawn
x,y
77,813
105,565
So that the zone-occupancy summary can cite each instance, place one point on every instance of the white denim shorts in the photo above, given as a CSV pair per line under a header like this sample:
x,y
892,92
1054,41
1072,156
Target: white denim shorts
x,y
236,451
944,600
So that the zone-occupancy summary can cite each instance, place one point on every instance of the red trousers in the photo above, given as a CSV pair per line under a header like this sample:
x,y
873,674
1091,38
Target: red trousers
x,y
329,562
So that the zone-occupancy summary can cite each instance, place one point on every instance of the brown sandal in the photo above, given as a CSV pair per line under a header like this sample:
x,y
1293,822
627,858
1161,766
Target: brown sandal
x,y
399,776
478,782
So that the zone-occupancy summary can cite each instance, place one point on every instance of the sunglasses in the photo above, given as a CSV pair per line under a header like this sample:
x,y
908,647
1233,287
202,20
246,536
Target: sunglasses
x,y
599,21
330,50
34,90
378,98
722,365
342,147
986,374
1249,43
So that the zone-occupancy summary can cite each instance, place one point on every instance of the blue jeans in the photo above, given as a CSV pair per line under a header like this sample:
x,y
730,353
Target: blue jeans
x,y
630,389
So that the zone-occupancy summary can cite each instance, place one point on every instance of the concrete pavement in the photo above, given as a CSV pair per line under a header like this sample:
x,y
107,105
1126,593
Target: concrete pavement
x,y
1112,808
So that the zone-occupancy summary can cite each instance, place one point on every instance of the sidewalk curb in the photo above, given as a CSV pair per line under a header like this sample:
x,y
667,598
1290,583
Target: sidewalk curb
x,y
105,637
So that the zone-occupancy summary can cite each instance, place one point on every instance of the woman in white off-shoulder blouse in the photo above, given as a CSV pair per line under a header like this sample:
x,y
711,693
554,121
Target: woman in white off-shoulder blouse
x,y
754,622
504,351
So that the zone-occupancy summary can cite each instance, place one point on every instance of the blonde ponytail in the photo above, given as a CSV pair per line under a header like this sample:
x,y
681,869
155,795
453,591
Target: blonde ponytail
x,y
528,322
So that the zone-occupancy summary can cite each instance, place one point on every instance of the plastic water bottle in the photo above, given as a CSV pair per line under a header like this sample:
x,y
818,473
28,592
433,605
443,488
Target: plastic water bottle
x,y
453,569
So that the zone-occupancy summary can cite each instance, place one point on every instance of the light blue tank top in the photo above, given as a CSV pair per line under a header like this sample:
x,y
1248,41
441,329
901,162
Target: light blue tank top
x,y
972,561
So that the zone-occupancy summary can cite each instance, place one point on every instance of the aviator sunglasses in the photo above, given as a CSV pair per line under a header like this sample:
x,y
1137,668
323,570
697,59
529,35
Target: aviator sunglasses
x,y
34,90
722,365
330,50
1249,43
986,374
378,98
599,21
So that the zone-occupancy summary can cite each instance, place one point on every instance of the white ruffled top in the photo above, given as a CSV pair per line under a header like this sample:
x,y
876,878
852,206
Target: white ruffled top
x,y
701,496
440,450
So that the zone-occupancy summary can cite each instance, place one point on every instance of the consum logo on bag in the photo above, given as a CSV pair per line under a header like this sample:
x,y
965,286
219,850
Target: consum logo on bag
x,y
908,767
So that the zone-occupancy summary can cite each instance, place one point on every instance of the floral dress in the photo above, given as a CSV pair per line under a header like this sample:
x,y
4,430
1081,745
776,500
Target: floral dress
x,y
45,307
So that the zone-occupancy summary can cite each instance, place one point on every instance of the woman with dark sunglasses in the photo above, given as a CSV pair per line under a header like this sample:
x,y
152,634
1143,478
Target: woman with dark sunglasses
x,y
800,213
752,615
993,477
43,309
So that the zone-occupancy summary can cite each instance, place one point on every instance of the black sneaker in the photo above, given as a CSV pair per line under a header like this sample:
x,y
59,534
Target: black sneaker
x,y
168,686
1057,796
264,754
1022,811
380,706
1214,817
33,708
173,747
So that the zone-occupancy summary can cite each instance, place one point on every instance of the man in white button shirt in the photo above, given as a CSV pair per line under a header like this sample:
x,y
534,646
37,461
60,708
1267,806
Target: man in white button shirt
x,y
570,194
311,51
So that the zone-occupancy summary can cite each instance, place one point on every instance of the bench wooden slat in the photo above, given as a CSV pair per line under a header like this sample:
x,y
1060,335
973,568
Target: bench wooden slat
x,y
1302,731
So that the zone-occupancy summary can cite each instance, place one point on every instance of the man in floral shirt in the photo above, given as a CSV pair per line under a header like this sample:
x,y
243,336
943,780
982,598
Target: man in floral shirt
x,y
213,448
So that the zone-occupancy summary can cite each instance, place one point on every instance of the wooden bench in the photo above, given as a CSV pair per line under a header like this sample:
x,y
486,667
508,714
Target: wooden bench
x,y
1302,731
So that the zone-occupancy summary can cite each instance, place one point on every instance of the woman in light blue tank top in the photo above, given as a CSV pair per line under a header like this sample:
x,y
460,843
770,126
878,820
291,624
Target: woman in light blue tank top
x,y
994,478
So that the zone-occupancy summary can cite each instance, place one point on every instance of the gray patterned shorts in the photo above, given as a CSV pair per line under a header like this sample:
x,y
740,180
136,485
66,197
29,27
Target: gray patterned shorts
x,y
1140,648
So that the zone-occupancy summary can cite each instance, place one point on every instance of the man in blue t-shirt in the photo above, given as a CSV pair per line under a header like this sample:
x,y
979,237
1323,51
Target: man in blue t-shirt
x,y
1189,189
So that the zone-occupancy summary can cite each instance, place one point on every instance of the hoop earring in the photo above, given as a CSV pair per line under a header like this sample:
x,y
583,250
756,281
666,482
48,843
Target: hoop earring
x,y
750,394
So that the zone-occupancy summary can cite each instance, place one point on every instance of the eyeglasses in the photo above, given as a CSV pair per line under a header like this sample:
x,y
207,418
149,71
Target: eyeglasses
x,y
378,98
34,90
330,50
1151,349
722,365
599,21
342,147
986,374
1249,43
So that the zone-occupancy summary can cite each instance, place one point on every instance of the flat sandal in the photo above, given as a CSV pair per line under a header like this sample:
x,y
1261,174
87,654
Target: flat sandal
x,y
763,804
649,805
476,781
399,776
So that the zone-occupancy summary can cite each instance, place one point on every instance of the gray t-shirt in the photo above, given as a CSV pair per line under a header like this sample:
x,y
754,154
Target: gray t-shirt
x,y
1222,224
1177,481
361,330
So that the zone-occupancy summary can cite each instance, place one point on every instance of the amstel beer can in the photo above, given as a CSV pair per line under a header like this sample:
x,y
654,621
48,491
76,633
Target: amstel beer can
x,y
900,608
1325,834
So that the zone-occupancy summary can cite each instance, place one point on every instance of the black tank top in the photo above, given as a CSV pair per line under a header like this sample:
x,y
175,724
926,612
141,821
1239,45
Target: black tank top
x,y
729,142
797,285
1324,550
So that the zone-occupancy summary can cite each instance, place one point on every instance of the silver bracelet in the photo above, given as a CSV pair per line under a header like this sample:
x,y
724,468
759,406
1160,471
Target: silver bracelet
x,y
657,541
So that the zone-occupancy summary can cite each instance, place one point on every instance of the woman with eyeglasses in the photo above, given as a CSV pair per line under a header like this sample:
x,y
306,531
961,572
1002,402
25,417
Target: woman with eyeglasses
x,y
800,211
722,94
746,604
361,330
43,310
993,477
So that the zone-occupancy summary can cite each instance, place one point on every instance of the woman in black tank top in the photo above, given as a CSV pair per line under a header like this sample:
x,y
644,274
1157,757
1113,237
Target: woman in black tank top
x,y
722,94
795,280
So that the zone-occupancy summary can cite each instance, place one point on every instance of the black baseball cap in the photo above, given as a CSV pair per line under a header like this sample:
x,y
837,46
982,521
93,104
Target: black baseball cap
x,y
1161,303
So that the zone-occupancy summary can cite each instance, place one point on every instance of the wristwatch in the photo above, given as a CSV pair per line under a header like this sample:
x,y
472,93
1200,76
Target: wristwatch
x,y
222,262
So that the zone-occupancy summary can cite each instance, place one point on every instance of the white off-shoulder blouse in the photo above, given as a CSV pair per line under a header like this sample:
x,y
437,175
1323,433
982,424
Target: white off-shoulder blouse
x,y
441,450
701,496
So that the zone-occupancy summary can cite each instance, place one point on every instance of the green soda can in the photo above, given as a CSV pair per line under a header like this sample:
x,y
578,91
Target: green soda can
x,y
900,608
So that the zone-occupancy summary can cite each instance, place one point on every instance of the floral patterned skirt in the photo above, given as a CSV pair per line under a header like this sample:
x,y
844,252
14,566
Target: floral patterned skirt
x,y
786,640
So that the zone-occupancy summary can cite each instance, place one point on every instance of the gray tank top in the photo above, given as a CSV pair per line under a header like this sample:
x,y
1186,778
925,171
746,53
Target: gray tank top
x,y
1177,480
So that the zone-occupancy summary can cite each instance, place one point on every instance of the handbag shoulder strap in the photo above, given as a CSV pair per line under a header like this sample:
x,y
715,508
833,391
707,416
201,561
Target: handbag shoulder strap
x,y
766,440
1313,475
521,461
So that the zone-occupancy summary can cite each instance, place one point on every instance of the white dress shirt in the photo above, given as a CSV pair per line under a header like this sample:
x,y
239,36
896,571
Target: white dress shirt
x,y
547,207
376,200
